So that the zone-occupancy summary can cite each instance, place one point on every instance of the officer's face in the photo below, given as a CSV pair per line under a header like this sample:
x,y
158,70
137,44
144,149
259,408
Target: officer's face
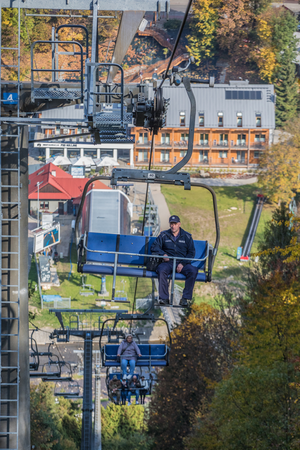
x,y
174,227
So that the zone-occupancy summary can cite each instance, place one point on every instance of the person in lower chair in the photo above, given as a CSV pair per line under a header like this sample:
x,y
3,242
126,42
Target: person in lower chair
x,y
128,352
134,389
114,389
175,242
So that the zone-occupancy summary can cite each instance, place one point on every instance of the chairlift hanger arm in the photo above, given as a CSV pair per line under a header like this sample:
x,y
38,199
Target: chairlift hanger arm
x,y
135,317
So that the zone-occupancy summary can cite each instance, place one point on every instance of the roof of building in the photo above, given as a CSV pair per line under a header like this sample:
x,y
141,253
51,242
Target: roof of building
x,y
237,97
55,184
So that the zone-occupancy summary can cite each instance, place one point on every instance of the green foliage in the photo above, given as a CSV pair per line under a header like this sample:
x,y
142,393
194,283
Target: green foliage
x,y
123,428
286,88
202,40
201,354
278,234
54,424
172,24
254,409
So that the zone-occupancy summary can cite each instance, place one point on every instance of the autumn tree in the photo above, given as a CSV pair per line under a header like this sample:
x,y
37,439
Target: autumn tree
x,y
256,407
202,39
235,24
201,353
279,170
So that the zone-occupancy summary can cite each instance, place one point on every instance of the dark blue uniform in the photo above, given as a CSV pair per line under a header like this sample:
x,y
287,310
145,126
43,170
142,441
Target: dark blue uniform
x,y
179,246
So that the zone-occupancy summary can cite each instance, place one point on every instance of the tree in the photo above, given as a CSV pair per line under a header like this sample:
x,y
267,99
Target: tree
x,y
279,170
278,234
124,428
286,88
235,23
201,354
202,40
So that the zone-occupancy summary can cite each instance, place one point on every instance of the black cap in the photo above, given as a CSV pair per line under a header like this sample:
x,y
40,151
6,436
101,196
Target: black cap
x,y
174,219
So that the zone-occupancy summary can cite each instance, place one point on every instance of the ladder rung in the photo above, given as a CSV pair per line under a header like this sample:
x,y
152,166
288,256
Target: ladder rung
x,y
9,186
8,269
7,432
8,135
8,417
8,335
11,203
9,384
9,65
9,303
10,153
10,220
9,170
8,351
9,235
9,285
9,318
9,48
10,253
10,368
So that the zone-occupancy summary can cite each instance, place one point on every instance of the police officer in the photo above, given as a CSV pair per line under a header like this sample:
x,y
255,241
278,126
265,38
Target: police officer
x,y
179,243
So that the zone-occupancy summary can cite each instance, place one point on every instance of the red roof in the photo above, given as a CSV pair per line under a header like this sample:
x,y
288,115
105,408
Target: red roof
x,y
62,184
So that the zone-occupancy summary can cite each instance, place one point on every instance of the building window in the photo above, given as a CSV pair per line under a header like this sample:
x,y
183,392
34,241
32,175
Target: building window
x,y
74,153
142,155
56,152
143,138
165,138
203,156
223,140
182,153
175,159
239,119
241,140
184,137
220,119
90,153
240,156
260,138
258,120
164,156
222,154
201,119
203,139
256,155
182,119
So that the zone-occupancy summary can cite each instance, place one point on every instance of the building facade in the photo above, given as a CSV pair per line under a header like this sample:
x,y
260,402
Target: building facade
x,y
234,123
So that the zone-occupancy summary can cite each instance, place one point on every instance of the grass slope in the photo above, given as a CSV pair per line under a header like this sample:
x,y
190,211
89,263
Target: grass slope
x,y
195,209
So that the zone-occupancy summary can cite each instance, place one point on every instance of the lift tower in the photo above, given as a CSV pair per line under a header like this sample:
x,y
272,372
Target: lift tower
x,y
14,354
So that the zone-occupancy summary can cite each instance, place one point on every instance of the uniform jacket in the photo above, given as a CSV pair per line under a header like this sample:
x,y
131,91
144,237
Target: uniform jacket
x,y
130,351
182,247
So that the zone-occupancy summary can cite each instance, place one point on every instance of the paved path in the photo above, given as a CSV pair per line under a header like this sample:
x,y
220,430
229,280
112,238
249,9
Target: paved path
x,y
224,182
163,210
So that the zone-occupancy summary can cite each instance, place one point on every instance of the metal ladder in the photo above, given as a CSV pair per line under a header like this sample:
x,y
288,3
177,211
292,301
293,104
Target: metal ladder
x,y
10,205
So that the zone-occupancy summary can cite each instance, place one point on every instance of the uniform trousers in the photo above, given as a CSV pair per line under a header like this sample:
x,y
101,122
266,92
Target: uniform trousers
x,y
165,269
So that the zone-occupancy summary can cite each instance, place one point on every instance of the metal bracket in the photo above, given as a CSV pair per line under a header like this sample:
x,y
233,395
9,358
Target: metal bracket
x,y
150,176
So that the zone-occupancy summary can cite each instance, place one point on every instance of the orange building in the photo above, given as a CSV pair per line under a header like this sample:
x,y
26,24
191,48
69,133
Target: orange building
x,y
234,123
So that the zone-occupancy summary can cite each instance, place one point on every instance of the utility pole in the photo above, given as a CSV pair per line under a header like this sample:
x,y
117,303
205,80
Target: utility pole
x,y
97,416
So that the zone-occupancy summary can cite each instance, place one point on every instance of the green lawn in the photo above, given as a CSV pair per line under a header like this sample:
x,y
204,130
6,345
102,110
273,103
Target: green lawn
x,y
71,288
195,209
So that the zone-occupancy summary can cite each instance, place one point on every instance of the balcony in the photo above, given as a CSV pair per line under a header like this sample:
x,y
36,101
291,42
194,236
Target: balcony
x,y
163,144
260,145
240,145
143,144
202,144
181,144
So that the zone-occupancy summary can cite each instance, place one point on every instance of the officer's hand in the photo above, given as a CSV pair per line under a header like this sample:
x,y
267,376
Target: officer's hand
x,y
166,258
179,268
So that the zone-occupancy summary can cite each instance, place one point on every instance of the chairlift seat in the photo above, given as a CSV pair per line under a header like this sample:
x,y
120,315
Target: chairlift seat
x,y
154,355
130,265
